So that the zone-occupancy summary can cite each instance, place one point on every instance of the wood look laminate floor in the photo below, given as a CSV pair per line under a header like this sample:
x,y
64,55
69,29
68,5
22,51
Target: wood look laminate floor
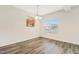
x,y
40,46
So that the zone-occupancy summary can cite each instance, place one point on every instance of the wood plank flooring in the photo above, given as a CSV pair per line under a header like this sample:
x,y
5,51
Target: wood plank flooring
x,y
40,46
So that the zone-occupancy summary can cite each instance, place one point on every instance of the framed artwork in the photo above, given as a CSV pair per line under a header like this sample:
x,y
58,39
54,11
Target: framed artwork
x,y
47,29
54,28
51,25
30,22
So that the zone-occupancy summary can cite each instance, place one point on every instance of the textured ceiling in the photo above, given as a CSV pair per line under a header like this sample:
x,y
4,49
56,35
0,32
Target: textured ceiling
x,y
42,9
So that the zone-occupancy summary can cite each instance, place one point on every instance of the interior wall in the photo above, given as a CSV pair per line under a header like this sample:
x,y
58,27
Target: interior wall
x,y
68,28
13,27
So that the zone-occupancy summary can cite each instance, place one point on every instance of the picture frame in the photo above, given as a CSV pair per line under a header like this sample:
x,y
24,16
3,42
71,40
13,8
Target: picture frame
x,y
30,22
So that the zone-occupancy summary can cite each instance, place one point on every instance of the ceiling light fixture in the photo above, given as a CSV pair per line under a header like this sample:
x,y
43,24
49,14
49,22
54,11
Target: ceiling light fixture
x,y
37,13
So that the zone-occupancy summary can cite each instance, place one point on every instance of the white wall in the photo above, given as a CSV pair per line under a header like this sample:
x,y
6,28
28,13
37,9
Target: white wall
x,y
13,28
68,27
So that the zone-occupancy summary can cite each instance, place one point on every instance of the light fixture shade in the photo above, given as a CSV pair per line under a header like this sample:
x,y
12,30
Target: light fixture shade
x,y
38,17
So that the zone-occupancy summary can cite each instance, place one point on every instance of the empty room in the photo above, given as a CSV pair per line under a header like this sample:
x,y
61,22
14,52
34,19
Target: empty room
x,y
39,29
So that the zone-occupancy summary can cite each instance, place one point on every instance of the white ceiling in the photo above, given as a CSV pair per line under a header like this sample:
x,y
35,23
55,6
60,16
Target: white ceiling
x,y
43,9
